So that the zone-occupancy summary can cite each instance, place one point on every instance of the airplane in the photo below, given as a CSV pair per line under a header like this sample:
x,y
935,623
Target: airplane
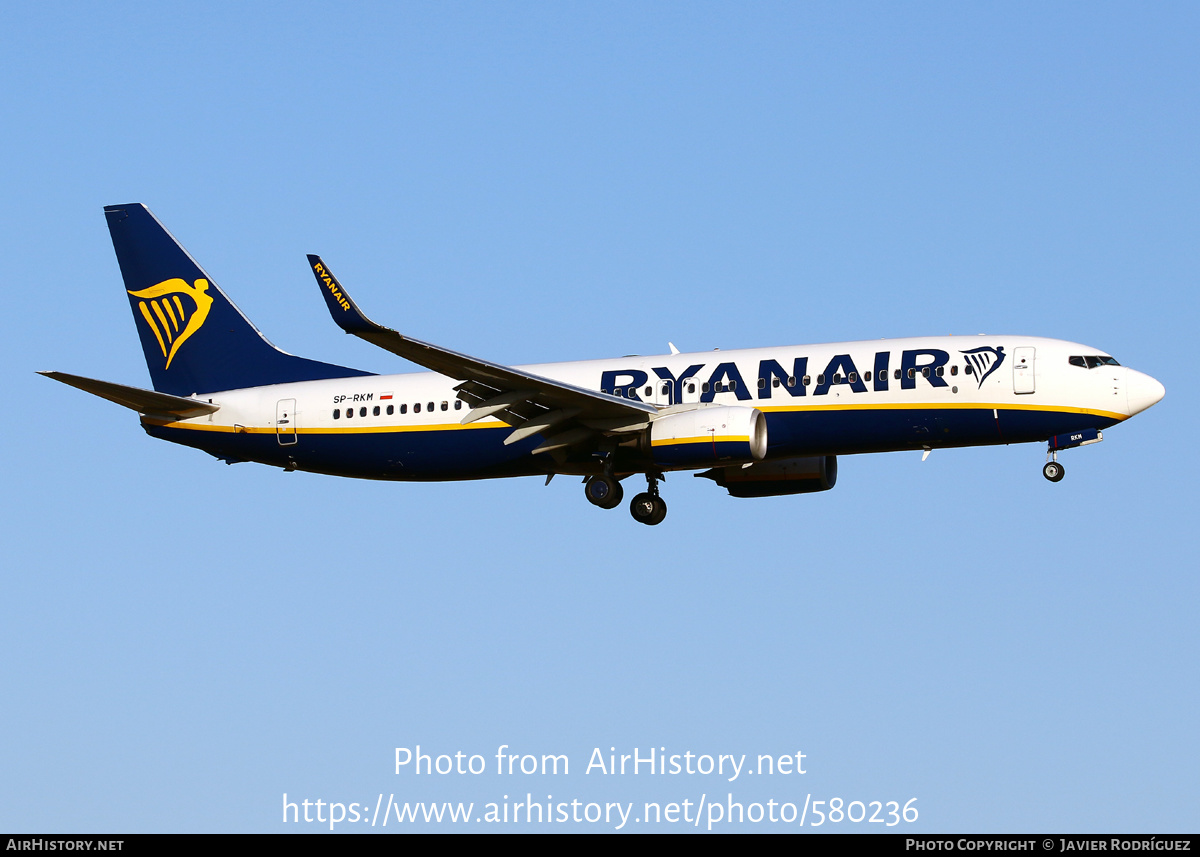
x,y
758,422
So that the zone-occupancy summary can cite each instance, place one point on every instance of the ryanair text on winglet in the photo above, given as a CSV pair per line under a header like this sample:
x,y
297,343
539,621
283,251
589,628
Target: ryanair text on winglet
x,y
332,285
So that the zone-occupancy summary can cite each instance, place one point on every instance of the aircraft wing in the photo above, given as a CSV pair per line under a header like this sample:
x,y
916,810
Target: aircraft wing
x,y
564,414
137,399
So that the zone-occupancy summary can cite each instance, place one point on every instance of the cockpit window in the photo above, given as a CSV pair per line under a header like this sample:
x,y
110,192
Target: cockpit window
x,y
1091,361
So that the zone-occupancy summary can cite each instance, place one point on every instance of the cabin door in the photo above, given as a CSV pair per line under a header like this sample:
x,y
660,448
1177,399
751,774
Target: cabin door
x,y
285,422
662,393
1023,369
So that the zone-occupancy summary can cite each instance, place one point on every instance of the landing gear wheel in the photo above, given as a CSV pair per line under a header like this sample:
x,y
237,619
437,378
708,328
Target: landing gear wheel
x,y
1054,471
604,491
648,509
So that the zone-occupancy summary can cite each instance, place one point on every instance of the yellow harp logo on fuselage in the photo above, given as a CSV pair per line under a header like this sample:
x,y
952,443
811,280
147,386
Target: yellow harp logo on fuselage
x,y
171,323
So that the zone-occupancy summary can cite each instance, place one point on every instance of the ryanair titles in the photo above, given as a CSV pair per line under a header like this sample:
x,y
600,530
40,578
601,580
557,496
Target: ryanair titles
x,y
330,283
699,383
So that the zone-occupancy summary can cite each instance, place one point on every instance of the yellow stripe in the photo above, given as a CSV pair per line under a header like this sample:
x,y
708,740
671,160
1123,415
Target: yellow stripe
x,y
704,439
395,429
331,430
153,326
491,424
948,406
178,304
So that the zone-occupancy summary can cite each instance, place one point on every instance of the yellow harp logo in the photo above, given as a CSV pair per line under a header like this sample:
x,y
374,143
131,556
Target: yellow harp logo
x,y
165,313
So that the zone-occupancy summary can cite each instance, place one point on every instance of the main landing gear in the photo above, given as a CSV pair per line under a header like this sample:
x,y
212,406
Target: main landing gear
x,y
647,507
606,492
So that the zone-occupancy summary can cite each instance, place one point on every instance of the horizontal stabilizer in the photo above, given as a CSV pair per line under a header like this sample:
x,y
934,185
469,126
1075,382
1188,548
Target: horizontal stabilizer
x,y
137,399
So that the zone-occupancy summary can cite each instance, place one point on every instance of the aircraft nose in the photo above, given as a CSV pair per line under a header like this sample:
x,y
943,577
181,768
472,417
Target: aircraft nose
x,y
1143,391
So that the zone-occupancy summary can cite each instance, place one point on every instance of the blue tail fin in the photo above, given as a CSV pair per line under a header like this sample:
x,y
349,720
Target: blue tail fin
x,y
194,338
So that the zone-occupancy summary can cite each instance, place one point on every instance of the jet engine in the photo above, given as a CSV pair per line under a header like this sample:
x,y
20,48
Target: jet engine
x,y
776,478
702,436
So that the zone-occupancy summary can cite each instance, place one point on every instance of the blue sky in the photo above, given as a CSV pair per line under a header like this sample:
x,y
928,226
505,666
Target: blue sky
x,y
185,642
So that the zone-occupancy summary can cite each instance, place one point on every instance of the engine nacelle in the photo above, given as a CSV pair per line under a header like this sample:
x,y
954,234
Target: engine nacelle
x,y
775,478
702,436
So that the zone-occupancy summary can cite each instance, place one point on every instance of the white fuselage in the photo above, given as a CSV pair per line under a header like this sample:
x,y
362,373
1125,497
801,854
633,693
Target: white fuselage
x,y
834,398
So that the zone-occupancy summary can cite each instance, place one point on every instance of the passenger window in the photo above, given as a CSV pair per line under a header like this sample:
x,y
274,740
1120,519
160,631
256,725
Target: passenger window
x,y
837,377
732,385
968,370
691,388
391,410
883,375
458,404
941,370
704,387
852,377
792,381
954,370
666,388
417,408
925,372
430,408
912,373
404,409
445,406
762,383
362,412
820,380
376,411
807,380
337,413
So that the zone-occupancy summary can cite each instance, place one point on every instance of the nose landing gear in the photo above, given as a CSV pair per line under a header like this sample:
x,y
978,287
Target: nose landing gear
x,y
1054,471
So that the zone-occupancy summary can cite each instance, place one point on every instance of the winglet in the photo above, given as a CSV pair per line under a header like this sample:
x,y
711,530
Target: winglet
x,y
496,380
345,312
